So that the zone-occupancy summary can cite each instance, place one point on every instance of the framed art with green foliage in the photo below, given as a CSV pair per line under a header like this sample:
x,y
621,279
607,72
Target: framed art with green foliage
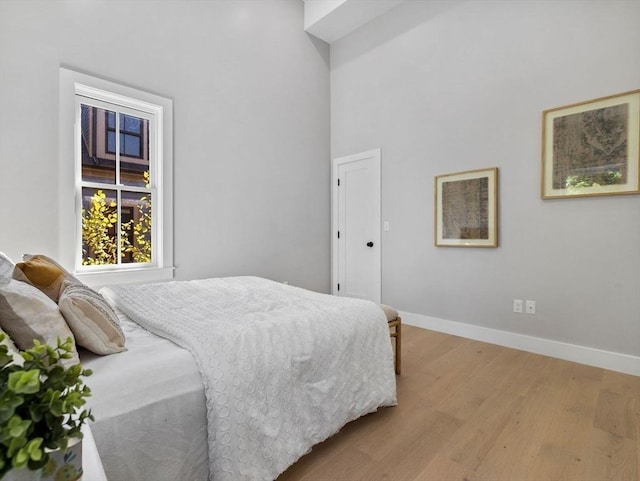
x,y
592,148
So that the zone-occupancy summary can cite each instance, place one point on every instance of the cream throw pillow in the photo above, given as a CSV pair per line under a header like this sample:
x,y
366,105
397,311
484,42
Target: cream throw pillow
x,y
92,320
390,312
27,314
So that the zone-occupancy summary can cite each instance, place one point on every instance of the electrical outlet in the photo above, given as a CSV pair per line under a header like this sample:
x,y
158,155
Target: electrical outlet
x,y
531,307
517,305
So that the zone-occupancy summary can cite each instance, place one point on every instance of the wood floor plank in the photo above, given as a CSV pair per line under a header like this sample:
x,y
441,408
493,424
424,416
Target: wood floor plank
x,y
416,356
398,433
615,414
521,437
455,368
508,372
485,379
621,383
405,457
471,443
610,457
466,400
442,468
564,449
347,465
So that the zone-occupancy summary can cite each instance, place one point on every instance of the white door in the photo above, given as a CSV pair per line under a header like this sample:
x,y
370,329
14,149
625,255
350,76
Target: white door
x,y
356,226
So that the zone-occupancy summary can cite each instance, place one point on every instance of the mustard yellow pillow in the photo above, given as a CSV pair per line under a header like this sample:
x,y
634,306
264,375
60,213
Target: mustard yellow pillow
x,y
45,274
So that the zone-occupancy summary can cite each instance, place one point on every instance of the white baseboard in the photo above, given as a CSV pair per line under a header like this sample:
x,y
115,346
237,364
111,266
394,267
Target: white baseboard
x,y
570,352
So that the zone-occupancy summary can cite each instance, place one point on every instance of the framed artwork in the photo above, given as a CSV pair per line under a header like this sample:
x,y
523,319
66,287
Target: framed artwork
x,y
466,209
592,148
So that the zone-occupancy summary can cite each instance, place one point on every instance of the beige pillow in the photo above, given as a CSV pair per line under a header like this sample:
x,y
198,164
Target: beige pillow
x,y
44,273
92,320
390,312
27,314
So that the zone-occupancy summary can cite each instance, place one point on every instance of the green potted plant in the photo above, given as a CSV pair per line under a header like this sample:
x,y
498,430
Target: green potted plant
x,y
41,410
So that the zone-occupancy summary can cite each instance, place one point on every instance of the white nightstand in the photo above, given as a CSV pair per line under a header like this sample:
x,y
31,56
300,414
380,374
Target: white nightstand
x,y
91,464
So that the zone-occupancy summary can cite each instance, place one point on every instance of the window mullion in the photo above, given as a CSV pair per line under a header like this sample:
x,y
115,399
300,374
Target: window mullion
x,y
117,135
119,225
118,191
103,186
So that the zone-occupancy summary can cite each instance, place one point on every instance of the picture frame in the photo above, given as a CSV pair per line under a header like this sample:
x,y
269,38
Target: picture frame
x,y
466,209
592,148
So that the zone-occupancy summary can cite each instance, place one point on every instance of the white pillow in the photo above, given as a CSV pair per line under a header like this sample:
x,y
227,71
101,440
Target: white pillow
x,y
12,349
26,313
6,265
92,320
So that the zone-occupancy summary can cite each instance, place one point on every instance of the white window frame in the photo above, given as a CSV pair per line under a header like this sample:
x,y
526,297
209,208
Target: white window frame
x,y
153,114
77,88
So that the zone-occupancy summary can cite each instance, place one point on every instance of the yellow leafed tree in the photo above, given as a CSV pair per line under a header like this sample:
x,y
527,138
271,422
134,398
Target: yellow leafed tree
x,y
99,223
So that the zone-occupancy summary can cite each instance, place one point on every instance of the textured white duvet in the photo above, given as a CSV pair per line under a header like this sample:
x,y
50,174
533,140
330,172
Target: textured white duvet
x,y
283,368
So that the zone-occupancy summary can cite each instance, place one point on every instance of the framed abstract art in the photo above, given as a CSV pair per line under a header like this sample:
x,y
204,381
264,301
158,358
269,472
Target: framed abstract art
x,y
466,209
592,148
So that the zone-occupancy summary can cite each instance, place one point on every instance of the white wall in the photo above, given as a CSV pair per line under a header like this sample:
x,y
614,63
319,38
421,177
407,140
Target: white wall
x,y
449,86
330,20
251,114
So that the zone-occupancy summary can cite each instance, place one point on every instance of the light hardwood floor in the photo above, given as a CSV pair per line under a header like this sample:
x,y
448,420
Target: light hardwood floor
x,y
471,411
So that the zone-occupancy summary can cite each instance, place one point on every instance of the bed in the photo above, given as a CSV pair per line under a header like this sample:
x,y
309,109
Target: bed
x,y
149,407
232,379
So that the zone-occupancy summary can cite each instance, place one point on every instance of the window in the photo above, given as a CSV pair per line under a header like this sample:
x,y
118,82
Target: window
x,y
121,161
132,130
117,186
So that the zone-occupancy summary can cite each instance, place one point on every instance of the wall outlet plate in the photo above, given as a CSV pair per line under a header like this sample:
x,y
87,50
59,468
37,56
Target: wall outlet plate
x,y
531,307
517,305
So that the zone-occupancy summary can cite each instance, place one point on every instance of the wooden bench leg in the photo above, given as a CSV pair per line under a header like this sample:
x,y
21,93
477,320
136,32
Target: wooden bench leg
x,y
396,325
398,346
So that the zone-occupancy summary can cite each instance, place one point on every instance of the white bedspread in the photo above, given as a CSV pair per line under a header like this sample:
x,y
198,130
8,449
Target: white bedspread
x,y
283,368
150,410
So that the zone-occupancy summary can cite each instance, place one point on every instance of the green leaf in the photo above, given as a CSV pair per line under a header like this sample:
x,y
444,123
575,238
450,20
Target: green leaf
x,y
17,427
15,446
34,449
25,382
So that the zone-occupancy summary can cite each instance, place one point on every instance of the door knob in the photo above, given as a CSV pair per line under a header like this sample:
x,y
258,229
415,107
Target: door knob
x,y
369,244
